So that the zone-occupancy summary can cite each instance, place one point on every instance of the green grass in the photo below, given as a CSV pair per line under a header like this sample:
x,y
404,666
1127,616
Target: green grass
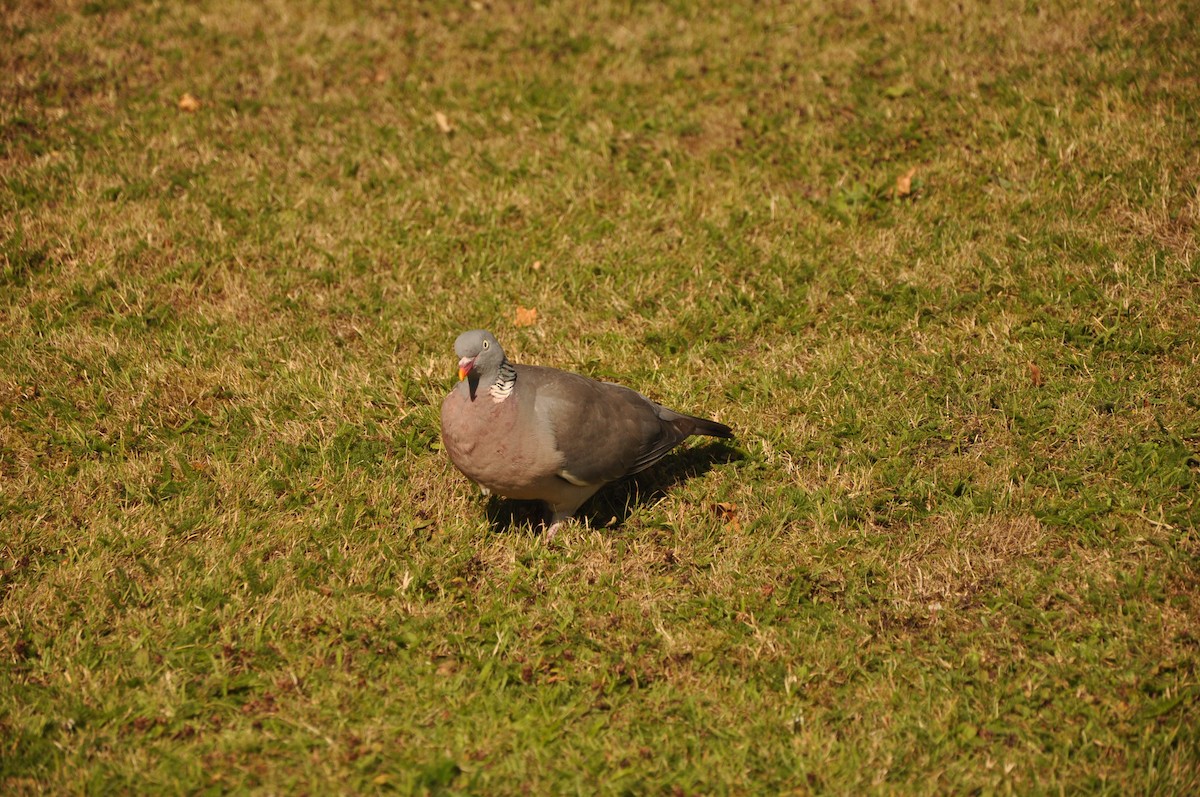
x,y
962,555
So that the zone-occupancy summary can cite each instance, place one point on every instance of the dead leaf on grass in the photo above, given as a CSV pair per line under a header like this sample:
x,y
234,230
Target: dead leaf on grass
x,y
378,76
904,182
443,122
1035,375
188,103
525,316
727,512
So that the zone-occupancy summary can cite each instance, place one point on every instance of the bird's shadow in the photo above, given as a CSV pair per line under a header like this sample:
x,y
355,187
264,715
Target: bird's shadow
x,y
615,502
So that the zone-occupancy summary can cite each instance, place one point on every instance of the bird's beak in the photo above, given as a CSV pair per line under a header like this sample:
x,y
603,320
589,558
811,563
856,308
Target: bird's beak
x,y
464,367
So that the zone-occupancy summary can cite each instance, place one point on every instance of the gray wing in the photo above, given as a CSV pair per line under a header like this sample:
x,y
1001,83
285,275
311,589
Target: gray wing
x,y
604,431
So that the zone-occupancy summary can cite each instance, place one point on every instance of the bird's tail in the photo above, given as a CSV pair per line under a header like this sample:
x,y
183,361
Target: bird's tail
x,y
710,428
690,425
676,428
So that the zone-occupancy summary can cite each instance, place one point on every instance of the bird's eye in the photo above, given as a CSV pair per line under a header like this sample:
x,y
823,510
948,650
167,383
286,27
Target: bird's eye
x,y
486,345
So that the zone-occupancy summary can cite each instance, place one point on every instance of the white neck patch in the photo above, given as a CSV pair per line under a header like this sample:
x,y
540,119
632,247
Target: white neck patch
x,y
506,380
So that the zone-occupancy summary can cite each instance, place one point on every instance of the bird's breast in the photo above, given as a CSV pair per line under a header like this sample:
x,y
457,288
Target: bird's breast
x,y
487,441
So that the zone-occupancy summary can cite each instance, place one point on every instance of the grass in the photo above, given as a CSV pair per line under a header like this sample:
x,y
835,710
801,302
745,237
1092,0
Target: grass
x,y
953,551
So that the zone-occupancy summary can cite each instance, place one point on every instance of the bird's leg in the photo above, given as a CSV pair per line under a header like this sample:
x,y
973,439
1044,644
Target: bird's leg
x,y
557,518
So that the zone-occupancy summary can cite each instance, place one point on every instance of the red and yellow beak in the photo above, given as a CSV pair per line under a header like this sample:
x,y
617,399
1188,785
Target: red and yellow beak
x,y
464,367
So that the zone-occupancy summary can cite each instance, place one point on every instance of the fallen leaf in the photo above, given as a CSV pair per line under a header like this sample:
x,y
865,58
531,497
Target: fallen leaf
x,y
378,76
525,316
1035,375
188,103
728,513
443,122
904,182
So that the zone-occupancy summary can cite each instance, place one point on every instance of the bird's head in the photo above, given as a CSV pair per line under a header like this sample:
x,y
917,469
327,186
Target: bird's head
x,y
478,351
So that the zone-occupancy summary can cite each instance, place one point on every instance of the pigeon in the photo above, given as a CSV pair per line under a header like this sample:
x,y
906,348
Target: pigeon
x,y
531,432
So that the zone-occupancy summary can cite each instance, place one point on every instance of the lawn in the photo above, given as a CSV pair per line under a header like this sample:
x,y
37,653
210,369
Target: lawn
x,y
934,262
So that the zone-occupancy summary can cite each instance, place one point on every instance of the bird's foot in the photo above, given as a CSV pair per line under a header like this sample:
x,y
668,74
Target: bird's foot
x,y
557,519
